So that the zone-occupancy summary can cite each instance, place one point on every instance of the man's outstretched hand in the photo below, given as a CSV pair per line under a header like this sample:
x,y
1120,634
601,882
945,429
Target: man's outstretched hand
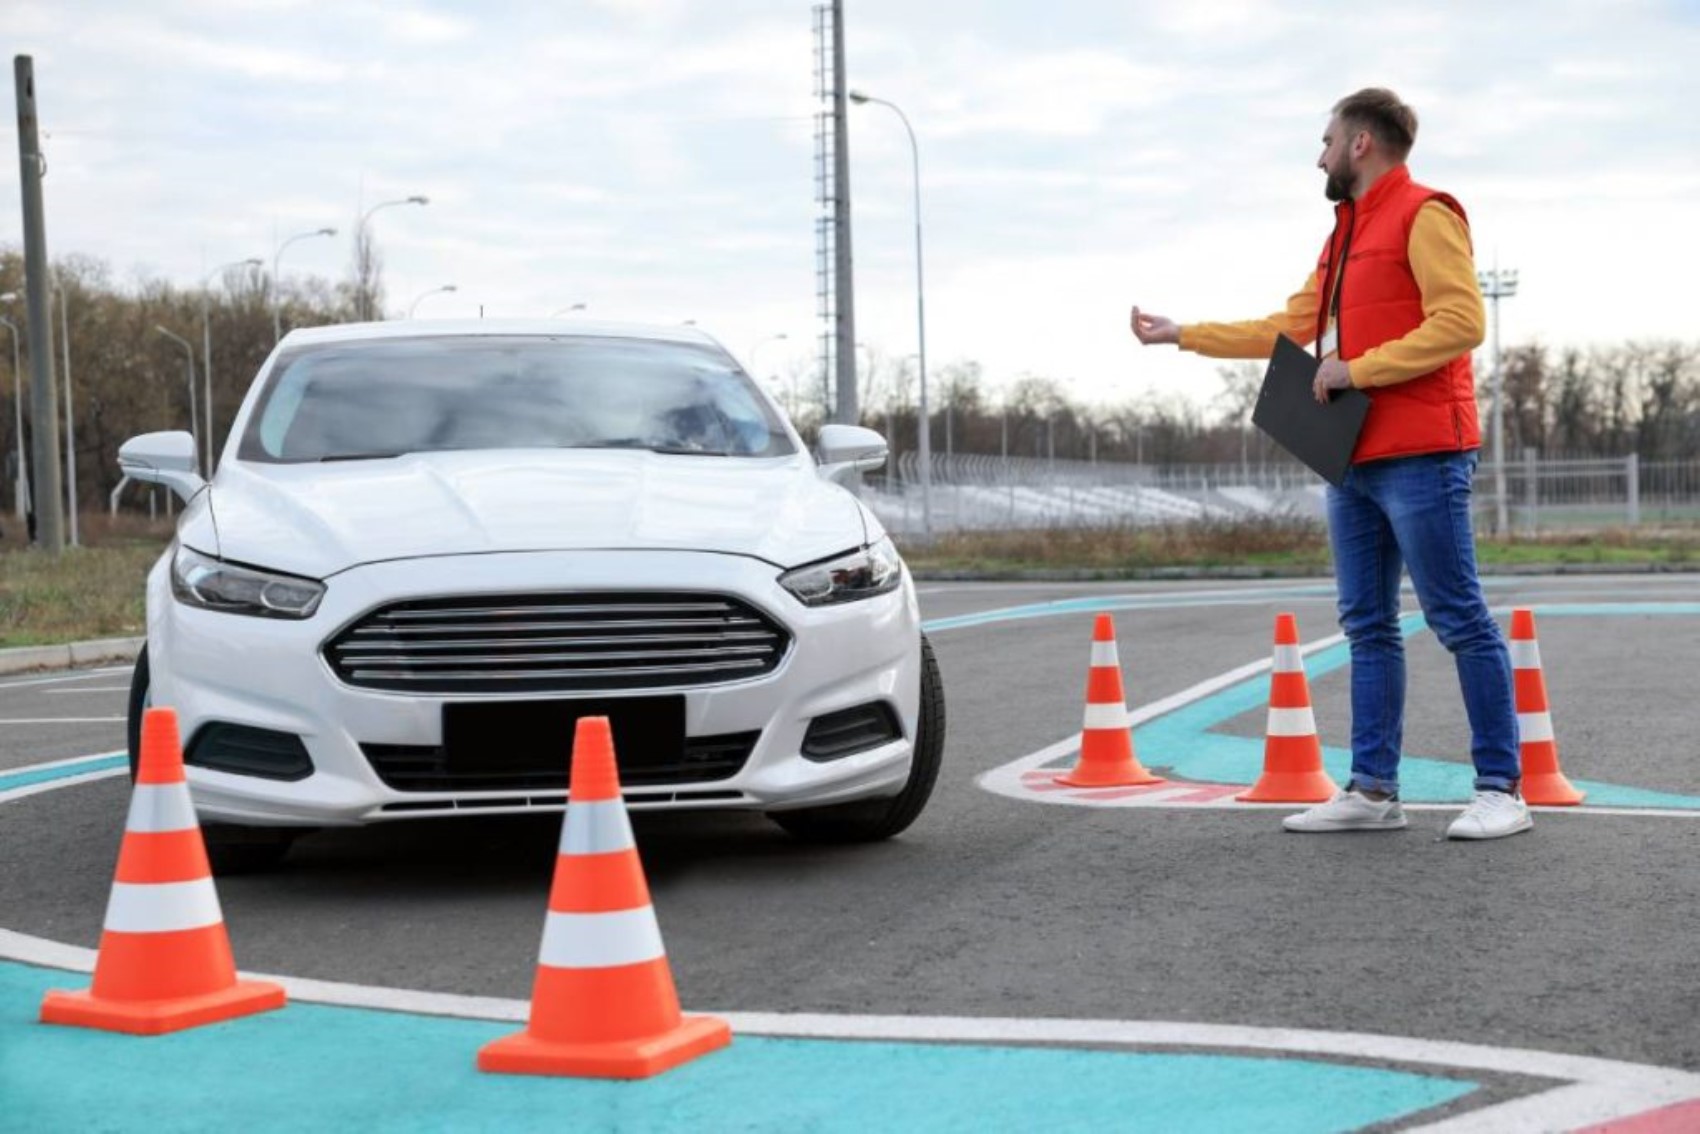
x,y
1153,329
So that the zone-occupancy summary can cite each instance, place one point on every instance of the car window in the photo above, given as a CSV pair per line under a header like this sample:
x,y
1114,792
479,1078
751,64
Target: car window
x,y
384,397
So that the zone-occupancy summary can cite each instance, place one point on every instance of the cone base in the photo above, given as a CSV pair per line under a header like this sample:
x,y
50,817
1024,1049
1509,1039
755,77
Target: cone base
x,y
1290,787
1552,789
1131,776
157,1017
524,1054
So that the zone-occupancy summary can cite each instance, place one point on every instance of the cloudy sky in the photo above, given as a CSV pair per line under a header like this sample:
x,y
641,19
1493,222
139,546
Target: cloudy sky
x,y
653,159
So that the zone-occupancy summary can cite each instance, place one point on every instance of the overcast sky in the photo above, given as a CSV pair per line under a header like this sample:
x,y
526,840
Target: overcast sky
x,y
653,159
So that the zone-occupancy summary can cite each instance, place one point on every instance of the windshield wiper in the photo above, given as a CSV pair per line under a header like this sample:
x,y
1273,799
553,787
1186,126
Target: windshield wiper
x,y
666,450
361,456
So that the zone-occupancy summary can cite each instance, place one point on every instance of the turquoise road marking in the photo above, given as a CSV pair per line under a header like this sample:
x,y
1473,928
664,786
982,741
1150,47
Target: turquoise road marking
x,y
29,776
1111,603
316,1067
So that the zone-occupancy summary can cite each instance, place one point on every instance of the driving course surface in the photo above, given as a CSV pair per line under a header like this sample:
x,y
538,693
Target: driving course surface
x,y
1022,958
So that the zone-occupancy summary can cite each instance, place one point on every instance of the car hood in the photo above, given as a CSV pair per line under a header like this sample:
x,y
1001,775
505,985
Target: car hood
x,y
319,519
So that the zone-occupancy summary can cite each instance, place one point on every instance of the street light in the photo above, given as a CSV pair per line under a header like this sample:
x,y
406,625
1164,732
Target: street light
x,y
1497,285
20,483
411,307
565,310
189,356
206,348
925,445
360,236
277,307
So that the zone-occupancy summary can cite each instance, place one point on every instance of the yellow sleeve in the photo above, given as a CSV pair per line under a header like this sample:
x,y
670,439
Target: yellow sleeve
x,y
1255,338
1454,322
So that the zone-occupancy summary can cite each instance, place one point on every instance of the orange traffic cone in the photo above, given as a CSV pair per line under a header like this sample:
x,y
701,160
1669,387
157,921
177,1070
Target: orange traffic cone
x,y
1106,738
1292,752
604,1004
164,961
1543,783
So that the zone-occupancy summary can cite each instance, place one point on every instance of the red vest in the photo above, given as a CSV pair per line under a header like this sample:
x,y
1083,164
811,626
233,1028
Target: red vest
x,y
1380,302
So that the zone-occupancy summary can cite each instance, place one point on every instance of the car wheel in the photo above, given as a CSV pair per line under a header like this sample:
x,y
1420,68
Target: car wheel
x,y
867,821
230,849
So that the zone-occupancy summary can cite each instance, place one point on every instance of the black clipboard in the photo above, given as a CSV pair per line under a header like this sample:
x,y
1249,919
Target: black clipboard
x,y
1322,436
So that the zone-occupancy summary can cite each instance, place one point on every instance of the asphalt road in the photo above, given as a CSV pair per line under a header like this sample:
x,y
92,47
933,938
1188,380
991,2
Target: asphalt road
x,y
1576,938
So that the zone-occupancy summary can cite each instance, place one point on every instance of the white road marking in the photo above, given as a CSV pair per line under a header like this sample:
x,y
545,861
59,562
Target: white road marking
x,y
1590,1089
59,678
62,720
87,689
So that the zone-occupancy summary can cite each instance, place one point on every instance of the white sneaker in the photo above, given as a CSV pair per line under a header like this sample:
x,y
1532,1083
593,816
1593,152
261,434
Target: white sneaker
x,y
1491,815
1348,811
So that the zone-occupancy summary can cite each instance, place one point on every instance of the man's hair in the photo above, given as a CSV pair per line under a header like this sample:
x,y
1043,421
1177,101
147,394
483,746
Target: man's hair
x,y
1389,121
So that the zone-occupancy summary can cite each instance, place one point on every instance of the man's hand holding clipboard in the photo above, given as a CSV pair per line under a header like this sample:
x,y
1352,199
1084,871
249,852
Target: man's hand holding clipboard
x,y
1299,407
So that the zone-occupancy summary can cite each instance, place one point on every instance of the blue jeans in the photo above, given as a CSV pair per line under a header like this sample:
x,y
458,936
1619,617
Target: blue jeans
x,y
1415,512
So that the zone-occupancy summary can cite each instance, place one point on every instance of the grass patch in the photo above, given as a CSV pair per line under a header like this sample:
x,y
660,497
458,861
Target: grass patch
x,y
93,591
1273,545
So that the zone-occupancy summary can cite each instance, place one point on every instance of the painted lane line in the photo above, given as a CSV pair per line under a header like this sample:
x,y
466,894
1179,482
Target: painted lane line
x,y
63,720
87,689
1588,1089
61,678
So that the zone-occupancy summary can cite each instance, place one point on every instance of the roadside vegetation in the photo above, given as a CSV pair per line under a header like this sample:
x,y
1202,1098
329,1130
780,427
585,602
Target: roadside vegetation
x,y
95,591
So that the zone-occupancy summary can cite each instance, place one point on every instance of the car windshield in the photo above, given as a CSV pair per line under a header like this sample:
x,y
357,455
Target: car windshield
x,y
385,397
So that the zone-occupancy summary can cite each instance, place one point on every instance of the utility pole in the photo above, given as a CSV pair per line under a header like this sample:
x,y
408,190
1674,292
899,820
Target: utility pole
x,y
49,486
848,408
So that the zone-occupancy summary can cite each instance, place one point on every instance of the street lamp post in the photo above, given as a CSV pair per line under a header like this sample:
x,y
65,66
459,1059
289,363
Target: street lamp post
x,y
21,482
360,238
189,381
924,444
206,351
411,307
277,306
1497,285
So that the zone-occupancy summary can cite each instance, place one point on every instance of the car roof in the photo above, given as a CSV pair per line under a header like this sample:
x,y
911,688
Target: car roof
x,y
552,328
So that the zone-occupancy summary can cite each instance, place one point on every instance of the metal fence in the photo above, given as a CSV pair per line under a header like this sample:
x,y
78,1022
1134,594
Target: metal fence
x,y
976,492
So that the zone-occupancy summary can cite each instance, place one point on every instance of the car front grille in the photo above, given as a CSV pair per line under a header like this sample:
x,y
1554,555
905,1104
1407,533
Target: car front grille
x,y
557,643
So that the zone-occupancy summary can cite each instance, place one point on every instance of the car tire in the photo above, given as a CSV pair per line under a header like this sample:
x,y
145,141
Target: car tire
x,y
871,820
230,849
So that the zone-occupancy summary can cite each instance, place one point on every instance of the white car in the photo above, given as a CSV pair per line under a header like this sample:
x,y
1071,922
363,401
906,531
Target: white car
x,y
428,548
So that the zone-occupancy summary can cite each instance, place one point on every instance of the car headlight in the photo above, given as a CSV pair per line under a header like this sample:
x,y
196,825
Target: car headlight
x,y
874,570
212,584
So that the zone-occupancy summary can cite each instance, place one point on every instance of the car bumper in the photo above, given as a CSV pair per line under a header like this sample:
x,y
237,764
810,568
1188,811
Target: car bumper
x,y
271,674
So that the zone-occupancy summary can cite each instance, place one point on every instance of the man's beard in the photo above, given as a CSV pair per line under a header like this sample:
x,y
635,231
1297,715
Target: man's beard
x,y
1339,184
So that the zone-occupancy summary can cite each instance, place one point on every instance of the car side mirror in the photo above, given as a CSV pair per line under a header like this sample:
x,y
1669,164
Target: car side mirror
x,y
849,449
163,458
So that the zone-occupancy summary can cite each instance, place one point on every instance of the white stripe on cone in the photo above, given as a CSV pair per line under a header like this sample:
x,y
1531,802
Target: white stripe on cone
x,y
1108,715
162,907
1103,654
1288,660
601,940
1291,722
156,808
1525,654
1534,727
600,827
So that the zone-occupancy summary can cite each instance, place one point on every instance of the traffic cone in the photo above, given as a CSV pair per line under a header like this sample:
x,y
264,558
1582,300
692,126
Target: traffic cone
x,y
1106,737
164,962
1292,752
603,1005
1543,782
